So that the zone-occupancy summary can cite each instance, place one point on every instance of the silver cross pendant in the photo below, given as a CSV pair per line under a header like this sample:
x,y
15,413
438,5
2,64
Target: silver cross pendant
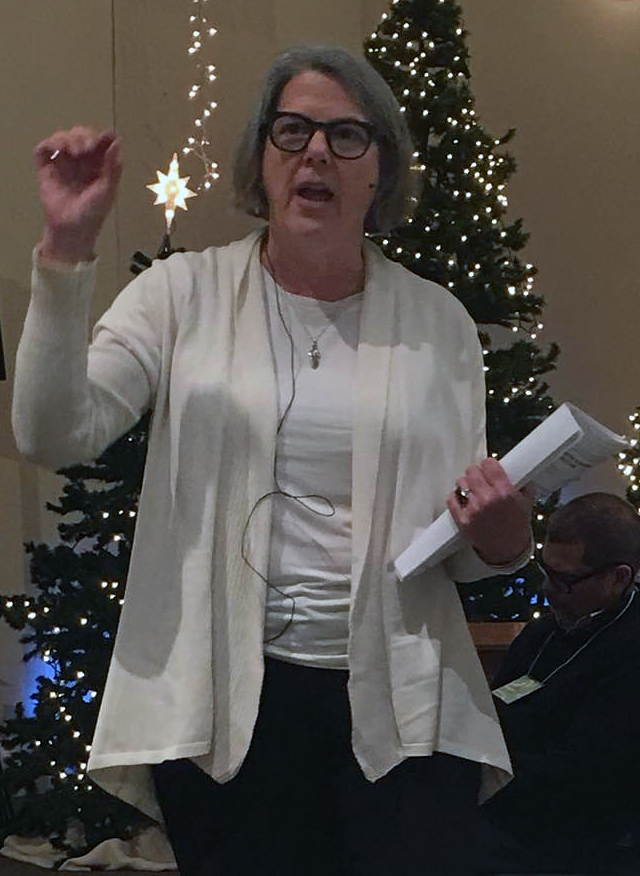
x,y
314,355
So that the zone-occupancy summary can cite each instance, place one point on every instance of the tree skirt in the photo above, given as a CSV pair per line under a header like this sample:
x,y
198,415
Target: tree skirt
x,y
148,851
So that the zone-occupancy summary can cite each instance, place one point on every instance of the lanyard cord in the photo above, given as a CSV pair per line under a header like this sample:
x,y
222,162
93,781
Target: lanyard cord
x,y
582,647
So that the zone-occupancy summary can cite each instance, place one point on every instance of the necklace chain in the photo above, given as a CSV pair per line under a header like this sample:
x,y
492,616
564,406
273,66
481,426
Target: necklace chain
x,y
313,352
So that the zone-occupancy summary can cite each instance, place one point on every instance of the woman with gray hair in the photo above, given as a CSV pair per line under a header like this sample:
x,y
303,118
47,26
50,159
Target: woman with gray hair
x,y
276,696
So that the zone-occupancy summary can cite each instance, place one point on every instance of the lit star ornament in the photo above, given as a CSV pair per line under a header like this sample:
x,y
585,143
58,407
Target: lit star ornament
x,y
171,191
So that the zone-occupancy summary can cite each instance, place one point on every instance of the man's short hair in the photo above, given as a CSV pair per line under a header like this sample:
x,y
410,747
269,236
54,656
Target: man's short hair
x,y
608,526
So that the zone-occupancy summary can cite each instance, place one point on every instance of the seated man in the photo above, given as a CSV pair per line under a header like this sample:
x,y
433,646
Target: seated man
x,y
568,697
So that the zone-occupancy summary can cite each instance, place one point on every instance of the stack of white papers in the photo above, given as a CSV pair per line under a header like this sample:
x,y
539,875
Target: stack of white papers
x,y
556,452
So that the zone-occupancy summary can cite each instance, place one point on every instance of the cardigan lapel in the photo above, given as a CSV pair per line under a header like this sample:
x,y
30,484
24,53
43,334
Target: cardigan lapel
x,y
370,405
255,387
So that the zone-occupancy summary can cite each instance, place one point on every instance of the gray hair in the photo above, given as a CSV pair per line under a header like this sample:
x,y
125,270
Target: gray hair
x,y
391,204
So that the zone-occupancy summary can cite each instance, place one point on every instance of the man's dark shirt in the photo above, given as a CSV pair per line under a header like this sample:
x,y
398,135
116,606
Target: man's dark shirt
x,y
574,742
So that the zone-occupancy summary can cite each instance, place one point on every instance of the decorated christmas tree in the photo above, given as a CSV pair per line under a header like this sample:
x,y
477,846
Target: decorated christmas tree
x,y
460,236
70,625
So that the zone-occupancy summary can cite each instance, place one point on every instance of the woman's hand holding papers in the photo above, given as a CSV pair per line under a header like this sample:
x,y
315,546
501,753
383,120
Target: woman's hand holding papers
x,y
492,515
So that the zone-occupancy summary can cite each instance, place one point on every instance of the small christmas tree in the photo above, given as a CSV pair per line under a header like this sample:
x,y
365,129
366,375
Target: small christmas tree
x,y
459,236
71,624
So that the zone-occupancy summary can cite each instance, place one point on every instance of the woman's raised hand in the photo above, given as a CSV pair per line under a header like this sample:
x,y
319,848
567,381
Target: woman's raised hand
x,y
78,173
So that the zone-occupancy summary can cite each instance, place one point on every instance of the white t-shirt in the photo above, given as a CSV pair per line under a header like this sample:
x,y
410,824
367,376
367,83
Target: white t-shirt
x,y
307,618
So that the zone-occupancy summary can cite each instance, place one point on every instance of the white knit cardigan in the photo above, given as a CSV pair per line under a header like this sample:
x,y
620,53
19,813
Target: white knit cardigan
x,y
189,339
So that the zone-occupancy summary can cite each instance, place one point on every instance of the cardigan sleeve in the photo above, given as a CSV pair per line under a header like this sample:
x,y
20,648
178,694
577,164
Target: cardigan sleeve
x,y
72,400
465,564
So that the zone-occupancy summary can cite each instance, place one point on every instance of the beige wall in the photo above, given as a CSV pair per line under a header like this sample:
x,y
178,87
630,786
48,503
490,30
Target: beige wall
x,y
563,72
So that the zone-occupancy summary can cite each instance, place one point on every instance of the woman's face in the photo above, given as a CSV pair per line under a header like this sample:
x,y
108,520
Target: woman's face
x,y
313,191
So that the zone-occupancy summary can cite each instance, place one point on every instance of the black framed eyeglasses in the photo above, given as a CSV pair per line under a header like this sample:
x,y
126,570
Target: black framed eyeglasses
x,y
567,580
347,138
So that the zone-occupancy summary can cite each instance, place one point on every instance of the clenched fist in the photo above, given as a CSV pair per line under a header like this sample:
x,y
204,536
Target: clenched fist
x,y
78,173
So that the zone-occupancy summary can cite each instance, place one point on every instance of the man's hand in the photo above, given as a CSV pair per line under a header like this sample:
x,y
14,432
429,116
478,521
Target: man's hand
x,y
491,513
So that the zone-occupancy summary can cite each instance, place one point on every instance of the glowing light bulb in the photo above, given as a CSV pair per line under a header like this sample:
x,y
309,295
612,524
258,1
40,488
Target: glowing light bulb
x,y
170,190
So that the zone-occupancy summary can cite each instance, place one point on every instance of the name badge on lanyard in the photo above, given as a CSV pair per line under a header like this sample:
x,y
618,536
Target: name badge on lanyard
x,y
517,689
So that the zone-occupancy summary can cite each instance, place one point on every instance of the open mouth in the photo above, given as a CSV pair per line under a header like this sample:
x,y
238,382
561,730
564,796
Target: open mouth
x,y
317,193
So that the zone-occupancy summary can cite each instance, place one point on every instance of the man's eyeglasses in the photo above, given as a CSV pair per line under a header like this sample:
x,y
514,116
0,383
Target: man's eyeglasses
x,y
567,580
347,138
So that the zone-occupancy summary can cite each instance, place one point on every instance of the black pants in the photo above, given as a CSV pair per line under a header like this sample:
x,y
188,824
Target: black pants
x,y
499,850
301,805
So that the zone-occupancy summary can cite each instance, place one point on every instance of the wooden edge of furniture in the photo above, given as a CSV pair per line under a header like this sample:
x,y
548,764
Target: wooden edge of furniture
x,y
492,639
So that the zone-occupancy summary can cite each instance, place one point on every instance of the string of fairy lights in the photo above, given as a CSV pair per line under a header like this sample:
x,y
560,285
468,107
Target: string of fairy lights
x,y
58,691
171,189
198,143
630,459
